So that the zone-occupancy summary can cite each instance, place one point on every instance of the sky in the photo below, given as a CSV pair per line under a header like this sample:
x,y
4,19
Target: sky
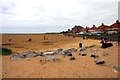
x,y
41,16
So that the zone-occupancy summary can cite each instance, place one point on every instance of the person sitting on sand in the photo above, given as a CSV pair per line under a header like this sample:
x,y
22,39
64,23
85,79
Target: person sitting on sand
x,y
105,43
106,40
102,40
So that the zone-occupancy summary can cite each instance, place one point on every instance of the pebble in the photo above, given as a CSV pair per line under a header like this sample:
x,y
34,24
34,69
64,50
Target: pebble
x,y
116,69
82,54
99,62
94,56
72,58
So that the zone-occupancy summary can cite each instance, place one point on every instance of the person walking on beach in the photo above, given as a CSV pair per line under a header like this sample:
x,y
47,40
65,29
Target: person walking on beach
x,y
9,40
44,37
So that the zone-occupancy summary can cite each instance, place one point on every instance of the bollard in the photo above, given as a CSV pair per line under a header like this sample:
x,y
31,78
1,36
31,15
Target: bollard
x,y
80,44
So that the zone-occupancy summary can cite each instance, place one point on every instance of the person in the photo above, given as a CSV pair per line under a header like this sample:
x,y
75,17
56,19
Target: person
x,y
29,39
84,37
105,43
106,40
102,40
10,39
44,37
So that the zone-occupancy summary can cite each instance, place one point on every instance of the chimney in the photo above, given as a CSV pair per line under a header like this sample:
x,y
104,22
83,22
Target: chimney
x,y
93,25
117,22
102,24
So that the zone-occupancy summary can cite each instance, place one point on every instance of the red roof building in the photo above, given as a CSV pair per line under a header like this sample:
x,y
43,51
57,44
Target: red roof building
x,y
94,28
103,27
86,29
115,26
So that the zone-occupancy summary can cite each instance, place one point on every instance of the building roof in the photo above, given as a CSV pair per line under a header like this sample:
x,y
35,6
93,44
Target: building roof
x,y
94,27
85,29
103,26
115,25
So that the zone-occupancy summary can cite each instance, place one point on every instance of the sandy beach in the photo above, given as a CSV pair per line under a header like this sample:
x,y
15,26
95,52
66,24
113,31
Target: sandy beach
x,y
81,67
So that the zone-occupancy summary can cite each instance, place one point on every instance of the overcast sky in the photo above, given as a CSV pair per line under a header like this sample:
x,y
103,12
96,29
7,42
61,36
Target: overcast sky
x,y
55,15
